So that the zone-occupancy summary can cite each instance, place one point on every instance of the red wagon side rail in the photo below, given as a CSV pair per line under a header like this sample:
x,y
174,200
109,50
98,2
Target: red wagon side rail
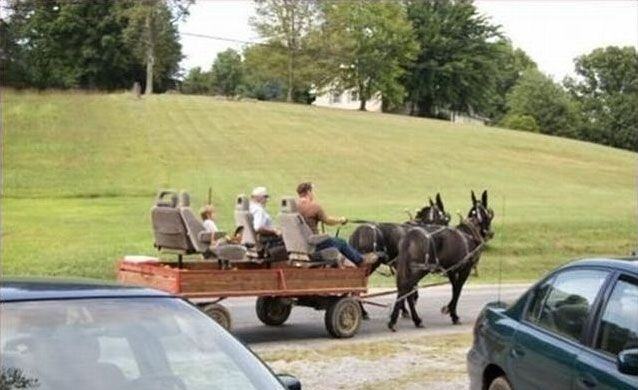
x,y
206,280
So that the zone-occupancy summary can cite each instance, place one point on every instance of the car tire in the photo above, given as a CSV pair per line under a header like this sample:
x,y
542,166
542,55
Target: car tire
x,y
500,383
343,318
273,311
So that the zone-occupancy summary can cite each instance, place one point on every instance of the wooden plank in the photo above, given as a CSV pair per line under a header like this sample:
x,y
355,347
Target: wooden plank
x,y
274,293
146,280
204,279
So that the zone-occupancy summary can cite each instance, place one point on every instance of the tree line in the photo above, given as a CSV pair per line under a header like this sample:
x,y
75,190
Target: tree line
x,y
422,57
105,45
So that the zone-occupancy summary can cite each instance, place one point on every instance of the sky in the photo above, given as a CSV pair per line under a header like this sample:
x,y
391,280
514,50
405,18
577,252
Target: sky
x,y
552,32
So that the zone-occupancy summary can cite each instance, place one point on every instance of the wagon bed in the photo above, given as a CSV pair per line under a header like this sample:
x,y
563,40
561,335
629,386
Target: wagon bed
x,y
206,280
278,287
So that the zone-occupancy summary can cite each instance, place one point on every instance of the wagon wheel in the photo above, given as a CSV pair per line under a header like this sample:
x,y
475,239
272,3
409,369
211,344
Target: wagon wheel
x,y
219,313
343,317
273,311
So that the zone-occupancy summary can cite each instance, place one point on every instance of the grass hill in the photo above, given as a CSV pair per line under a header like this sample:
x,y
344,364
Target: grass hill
x,y
81,169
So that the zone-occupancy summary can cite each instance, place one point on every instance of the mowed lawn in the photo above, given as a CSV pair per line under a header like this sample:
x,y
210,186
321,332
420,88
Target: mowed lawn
x,y
81,170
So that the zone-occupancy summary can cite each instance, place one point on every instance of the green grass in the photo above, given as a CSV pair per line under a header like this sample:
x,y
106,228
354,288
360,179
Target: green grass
x,y
81,171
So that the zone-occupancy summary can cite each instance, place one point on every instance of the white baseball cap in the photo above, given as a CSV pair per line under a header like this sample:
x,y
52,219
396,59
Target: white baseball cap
x,y
259,191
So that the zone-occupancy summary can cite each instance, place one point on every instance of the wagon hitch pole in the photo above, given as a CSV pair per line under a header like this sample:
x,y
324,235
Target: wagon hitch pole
x,y
364,298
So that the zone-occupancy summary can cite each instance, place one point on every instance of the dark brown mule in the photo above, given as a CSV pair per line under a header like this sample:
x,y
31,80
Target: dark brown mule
x,y
474,211
384,237
440,249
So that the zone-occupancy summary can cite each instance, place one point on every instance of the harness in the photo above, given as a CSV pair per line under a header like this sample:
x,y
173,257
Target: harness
x,y
435,266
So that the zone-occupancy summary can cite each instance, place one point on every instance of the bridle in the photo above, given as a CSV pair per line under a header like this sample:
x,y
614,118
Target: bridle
x,y
483,216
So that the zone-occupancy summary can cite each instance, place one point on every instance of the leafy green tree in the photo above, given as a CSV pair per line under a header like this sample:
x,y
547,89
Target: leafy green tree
x,y
458,61
151,32
369,44
227,73
606,86
512,63
64,44
538,96
197,82
285,23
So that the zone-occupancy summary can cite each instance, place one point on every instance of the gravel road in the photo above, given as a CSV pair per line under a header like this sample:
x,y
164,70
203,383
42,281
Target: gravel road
x,y
432,358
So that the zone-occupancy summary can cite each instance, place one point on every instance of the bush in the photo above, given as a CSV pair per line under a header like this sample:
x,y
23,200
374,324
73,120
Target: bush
x,y
520,122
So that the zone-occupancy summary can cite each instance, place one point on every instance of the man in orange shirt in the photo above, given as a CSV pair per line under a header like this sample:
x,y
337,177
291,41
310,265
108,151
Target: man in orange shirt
x,y
313,213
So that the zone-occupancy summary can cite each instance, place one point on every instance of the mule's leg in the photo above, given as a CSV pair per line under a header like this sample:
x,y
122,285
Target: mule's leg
x,y
364,313
458,280
397,308
415,316
404,311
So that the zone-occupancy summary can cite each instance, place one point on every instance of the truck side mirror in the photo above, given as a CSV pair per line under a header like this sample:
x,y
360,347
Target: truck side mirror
x,y
627,361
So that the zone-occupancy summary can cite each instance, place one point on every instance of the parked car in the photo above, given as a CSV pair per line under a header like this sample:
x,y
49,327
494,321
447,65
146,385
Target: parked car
x,y
79,335
575,329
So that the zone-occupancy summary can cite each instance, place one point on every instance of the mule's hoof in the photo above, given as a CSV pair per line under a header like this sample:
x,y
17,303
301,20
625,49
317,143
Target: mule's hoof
x,y
419,325
365,316
445,310
456,321
391,327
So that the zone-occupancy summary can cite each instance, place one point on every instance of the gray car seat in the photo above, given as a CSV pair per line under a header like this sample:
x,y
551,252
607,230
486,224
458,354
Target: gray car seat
x,y
168,229
244,218
200,239
299,240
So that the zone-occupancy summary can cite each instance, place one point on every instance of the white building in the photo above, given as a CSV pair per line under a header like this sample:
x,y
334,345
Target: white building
x,y
347,100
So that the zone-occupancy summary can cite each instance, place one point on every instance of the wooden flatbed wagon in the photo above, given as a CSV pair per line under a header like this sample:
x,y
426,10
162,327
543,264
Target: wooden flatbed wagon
x,y
301,277
277,286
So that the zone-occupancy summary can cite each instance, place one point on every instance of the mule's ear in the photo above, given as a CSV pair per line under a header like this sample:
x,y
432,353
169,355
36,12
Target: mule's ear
x,y
439,202
484,198
431,203
473,198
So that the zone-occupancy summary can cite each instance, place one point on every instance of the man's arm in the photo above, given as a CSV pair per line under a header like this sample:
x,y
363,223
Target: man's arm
x,y
260,223
328,220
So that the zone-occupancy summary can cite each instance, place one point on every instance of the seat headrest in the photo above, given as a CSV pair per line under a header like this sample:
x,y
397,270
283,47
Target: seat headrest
x,y
161,200
184,199
242,204
288,205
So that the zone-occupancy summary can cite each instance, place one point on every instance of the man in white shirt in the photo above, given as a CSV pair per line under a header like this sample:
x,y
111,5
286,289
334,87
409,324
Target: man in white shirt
x,y
262,222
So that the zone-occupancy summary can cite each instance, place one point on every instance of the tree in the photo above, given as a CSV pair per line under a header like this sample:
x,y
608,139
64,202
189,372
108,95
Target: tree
x,y
606,86
285,23
536,95
457,64
227,73
64,44
370,43
264,73
512,63
197,82
152,33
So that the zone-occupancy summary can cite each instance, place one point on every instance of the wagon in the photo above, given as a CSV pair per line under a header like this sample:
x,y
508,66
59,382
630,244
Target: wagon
x,y
278,289
302,278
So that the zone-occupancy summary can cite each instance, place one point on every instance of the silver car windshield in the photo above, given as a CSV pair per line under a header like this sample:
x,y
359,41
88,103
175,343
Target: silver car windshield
x,y
137,343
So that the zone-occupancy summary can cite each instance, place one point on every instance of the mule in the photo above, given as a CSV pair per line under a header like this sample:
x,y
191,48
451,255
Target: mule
x,y
384,237
440,249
